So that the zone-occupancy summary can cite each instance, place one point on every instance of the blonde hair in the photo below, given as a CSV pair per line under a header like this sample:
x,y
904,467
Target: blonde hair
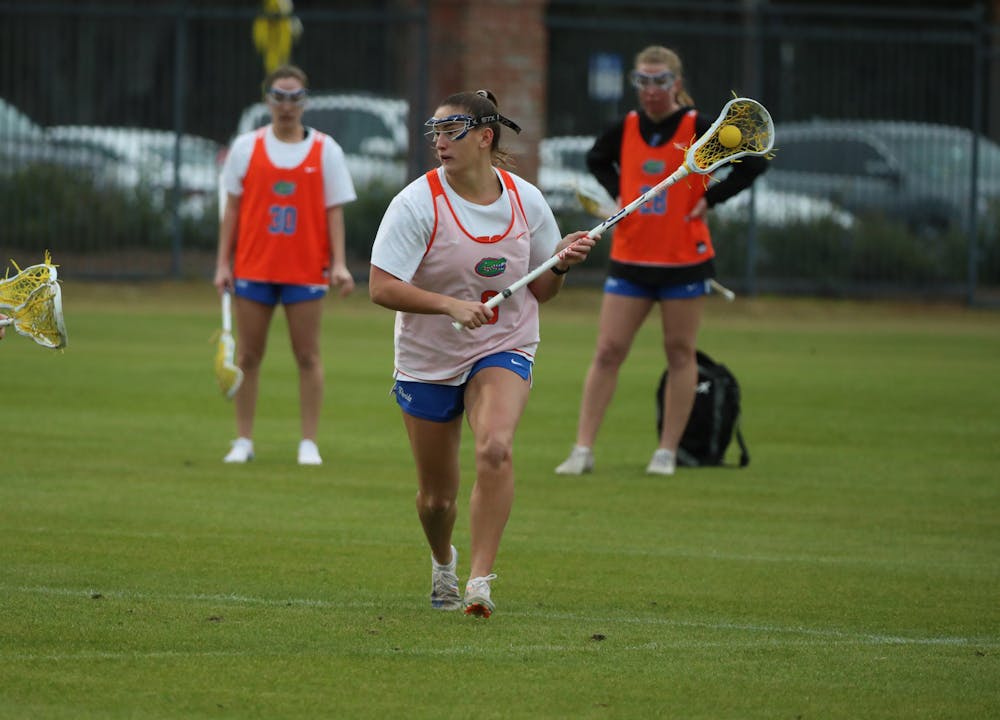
x,y
478,104
659,55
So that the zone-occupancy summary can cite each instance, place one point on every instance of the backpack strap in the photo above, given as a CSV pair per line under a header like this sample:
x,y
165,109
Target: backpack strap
x,y
744,453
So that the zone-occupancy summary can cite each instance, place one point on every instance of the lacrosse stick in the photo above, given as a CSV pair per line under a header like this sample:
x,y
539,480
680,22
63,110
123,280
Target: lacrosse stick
x,y
592,204
40,316
230,377
722,290
744,127
15,290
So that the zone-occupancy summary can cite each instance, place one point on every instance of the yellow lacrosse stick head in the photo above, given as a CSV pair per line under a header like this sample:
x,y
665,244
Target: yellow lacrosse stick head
x,y
40,317
744,127
229,376
593,205
15,290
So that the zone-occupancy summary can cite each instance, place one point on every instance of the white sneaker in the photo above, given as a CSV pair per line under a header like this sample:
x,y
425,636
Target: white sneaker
x,y
309,453
241,452
477,596
444,584
662,463
580,460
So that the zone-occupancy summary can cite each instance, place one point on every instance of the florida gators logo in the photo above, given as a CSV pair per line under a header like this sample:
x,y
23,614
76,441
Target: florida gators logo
x,y
491,267
653,167
284,188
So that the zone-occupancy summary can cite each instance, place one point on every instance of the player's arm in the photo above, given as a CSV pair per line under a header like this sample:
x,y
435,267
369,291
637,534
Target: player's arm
x,y
338,190
234,169
340,276
575,248
227,243
389,291
603,159
399,247
546,243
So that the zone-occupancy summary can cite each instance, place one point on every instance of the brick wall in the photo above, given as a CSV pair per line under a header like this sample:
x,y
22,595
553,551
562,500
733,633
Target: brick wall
x,y
500,45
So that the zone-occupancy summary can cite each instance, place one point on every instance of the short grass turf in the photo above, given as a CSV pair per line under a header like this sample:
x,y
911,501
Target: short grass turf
x,y
850,571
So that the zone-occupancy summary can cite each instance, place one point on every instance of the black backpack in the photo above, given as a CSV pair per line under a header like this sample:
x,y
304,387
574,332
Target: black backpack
x,y
714,417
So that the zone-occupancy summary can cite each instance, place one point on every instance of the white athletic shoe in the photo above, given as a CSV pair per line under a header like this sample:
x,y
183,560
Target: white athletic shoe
x,y
580,460
241,452
662,463
309,453
444,584
477,596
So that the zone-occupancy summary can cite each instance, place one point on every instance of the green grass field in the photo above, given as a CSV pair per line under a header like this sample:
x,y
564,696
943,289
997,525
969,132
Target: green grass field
x,y
851,571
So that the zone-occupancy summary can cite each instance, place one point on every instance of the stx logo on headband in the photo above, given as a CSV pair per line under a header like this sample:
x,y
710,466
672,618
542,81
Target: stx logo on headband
x,y
456,127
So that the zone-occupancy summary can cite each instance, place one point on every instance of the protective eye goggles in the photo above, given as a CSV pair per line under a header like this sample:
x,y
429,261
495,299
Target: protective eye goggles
x,y
296,97
456,127
660,81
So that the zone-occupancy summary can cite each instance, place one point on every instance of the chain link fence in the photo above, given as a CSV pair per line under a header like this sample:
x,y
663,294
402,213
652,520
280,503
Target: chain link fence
x,y
886,173
885,180
114,121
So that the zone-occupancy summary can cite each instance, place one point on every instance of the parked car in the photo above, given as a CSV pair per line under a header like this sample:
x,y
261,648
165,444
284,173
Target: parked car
x,y
371,130
14,123
25,143
916,173
777,208
563,173
147,157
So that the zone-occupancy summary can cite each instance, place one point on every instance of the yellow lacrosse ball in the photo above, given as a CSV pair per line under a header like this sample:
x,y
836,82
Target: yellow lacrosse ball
x,y
730,136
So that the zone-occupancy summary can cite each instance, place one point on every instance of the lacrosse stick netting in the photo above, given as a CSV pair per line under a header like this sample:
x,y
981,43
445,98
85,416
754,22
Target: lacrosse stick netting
x,y
756,136
40,316
15,290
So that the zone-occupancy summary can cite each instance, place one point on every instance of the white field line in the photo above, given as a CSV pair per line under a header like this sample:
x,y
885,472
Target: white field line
x,y
477,650
860,560
812,635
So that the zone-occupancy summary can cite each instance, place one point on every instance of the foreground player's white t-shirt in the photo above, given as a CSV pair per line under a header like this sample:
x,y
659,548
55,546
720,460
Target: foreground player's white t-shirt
x,y
338,188
400,248
409,221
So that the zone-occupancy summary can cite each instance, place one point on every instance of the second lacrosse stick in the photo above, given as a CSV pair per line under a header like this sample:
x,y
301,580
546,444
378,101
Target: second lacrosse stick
x,y
228,374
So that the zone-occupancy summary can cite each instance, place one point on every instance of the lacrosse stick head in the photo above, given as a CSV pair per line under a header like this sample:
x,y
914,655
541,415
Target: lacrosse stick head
x,y
15,290
753,135
593,204
230,376
40,317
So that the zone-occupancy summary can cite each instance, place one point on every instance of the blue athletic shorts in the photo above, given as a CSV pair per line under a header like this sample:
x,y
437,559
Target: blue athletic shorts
x,y
443,403
618,286
273,293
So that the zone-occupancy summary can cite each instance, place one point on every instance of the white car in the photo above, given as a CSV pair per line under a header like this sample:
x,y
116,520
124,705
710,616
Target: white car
x,y
371,129
14,123
147,158
563,175
916,173
778,208
25,143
